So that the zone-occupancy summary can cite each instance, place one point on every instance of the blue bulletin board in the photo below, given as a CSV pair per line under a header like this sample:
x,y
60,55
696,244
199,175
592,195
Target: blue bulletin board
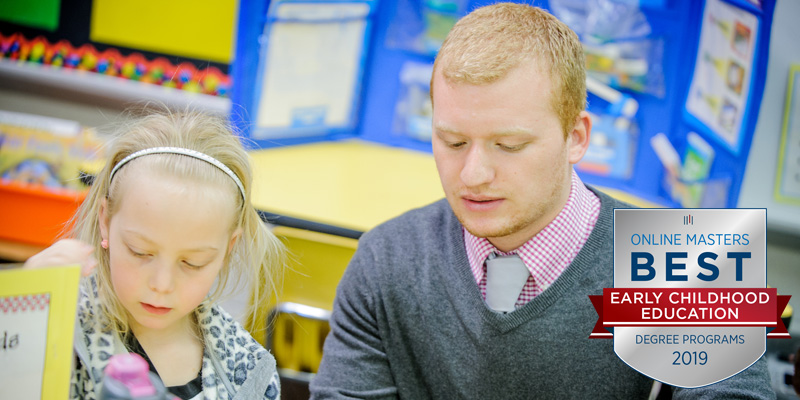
x,y
392,80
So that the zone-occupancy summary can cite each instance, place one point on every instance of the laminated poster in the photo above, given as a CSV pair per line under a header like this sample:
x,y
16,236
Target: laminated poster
x,y
720,89
311,63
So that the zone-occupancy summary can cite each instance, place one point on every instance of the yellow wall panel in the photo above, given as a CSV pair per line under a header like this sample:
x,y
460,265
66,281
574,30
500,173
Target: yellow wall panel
x,y
202,29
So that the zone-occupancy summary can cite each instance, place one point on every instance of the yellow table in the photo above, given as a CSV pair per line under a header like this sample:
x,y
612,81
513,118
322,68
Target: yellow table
x,y
349,184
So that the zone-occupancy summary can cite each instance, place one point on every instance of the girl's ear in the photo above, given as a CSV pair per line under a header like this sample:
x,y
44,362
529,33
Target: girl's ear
x,y
234,238
102,218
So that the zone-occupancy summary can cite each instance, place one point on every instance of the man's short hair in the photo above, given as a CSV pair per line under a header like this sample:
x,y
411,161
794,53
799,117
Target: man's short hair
x,y
490,41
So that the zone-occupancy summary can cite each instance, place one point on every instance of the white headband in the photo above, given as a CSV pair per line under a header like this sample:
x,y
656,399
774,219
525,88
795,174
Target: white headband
x,y
179,150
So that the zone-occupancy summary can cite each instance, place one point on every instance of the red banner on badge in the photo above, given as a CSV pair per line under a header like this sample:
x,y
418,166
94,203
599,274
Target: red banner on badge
x,y
645,307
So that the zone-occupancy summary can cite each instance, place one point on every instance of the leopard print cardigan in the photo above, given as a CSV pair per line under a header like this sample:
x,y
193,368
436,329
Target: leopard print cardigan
x,y
235,366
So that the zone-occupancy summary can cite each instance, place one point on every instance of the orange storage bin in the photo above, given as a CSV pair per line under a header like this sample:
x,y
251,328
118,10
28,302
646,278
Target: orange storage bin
x,y
34,214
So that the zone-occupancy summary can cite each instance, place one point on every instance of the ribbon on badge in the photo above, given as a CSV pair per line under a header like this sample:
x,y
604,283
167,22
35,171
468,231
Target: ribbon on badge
x,y
689,307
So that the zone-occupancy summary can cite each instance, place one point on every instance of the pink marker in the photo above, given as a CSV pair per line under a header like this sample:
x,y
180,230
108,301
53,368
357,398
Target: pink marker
x,y
127,376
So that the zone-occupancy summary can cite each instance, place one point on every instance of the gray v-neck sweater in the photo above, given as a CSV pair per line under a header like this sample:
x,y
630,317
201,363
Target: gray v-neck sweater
x,y
409,322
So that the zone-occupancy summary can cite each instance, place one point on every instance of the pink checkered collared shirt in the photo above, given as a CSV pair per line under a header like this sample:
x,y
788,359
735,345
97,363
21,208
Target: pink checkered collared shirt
x,y
550,251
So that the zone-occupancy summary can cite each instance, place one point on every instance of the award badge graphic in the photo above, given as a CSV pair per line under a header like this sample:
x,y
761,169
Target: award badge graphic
x,y
690,306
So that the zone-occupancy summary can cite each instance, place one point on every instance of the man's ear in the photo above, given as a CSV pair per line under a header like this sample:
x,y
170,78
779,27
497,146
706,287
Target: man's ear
x,y
102,219
578,137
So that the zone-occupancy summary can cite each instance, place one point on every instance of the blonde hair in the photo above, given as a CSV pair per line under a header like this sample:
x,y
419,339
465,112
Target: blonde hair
x,y
257,257
486,44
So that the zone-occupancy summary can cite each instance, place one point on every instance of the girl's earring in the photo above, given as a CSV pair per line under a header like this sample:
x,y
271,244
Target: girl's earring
x,y
104,244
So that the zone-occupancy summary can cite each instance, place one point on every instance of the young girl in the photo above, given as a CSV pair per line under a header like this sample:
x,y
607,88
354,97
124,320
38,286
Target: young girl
x,y
165,227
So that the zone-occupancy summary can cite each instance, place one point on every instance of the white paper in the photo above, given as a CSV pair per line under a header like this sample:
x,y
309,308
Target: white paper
x,y
311,67
23,343
720,87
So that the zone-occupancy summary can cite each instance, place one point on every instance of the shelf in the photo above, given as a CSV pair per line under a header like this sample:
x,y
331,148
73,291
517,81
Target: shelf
x,y
94,88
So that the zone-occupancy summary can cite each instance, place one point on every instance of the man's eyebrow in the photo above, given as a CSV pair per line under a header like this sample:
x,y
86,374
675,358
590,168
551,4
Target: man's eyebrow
x,y
445,129
513,132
